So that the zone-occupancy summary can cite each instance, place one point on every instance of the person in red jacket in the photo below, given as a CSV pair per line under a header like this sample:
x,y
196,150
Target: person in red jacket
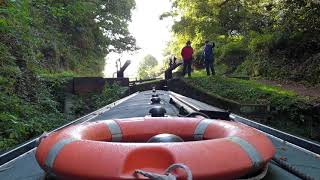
x,y
187,56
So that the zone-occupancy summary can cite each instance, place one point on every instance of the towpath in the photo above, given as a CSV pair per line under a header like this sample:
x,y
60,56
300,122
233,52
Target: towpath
x,y
299,88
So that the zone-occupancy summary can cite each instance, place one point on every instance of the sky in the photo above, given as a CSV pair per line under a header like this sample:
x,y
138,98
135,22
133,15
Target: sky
x,y
151,33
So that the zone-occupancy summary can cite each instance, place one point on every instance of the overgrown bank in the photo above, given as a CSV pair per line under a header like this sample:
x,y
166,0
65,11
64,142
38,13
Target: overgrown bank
x,y
86,103
269,39
21,120
288,111
41,39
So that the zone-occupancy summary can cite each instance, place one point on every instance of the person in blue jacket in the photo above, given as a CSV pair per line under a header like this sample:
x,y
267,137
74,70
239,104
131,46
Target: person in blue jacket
x,y
208,55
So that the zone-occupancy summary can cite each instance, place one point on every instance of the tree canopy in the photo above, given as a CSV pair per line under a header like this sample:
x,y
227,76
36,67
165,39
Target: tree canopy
x,y
147,67
269,38
61,35
46,38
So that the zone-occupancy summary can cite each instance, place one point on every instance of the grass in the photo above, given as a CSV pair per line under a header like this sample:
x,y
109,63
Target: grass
x,y
289,110
65,74
243,91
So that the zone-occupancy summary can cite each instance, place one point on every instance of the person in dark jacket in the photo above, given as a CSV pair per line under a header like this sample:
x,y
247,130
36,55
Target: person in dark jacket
x,y
208,55
187,55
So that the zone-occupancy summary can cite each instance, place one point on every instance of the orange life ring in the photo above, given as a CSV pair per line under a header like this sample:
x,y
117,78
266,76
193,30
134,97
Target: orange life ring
x,y
214,149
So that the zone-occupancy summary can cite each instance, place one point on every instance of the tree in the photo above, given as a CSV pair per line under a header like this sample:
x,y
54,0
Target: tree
x,y
66,35
147,68
267,38
50,38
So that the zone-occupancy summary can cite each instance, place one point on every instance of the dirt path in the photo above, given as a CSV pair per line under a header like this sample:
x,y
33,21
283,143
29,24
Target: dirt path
x,y
300,89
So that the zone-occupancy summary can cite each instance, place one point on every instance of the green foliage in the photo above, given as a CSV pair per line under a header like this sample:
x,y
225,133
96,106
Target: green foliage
x,y
92,101
198,62
288,108
44,42
248,68
232,54
21,120
55,36
221,69
243,91
148,68
252,92
235,45
264,38
260,41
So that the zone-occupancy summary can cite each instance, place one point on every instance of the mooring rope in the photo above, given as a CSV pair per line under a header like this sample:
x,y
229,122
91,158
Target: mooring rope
x,y
167,174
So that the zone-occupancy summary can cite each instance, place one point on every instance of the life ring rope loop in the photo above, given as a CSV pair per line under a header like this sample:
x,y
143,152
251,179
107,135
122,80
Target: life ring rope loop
x,y
168,173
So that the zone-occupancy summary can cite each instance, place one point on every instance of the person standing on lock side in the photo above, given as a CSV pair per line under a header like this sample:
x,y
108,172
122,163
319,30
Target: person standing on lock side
x,y
208,55
187,56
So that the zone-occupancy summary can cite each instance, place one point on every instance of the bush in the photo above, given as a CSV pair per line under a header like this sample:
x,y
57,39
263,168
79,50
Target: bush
x,y
92,101
221,69
23,117
232,54
233,46
21,120
260,42
198,61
